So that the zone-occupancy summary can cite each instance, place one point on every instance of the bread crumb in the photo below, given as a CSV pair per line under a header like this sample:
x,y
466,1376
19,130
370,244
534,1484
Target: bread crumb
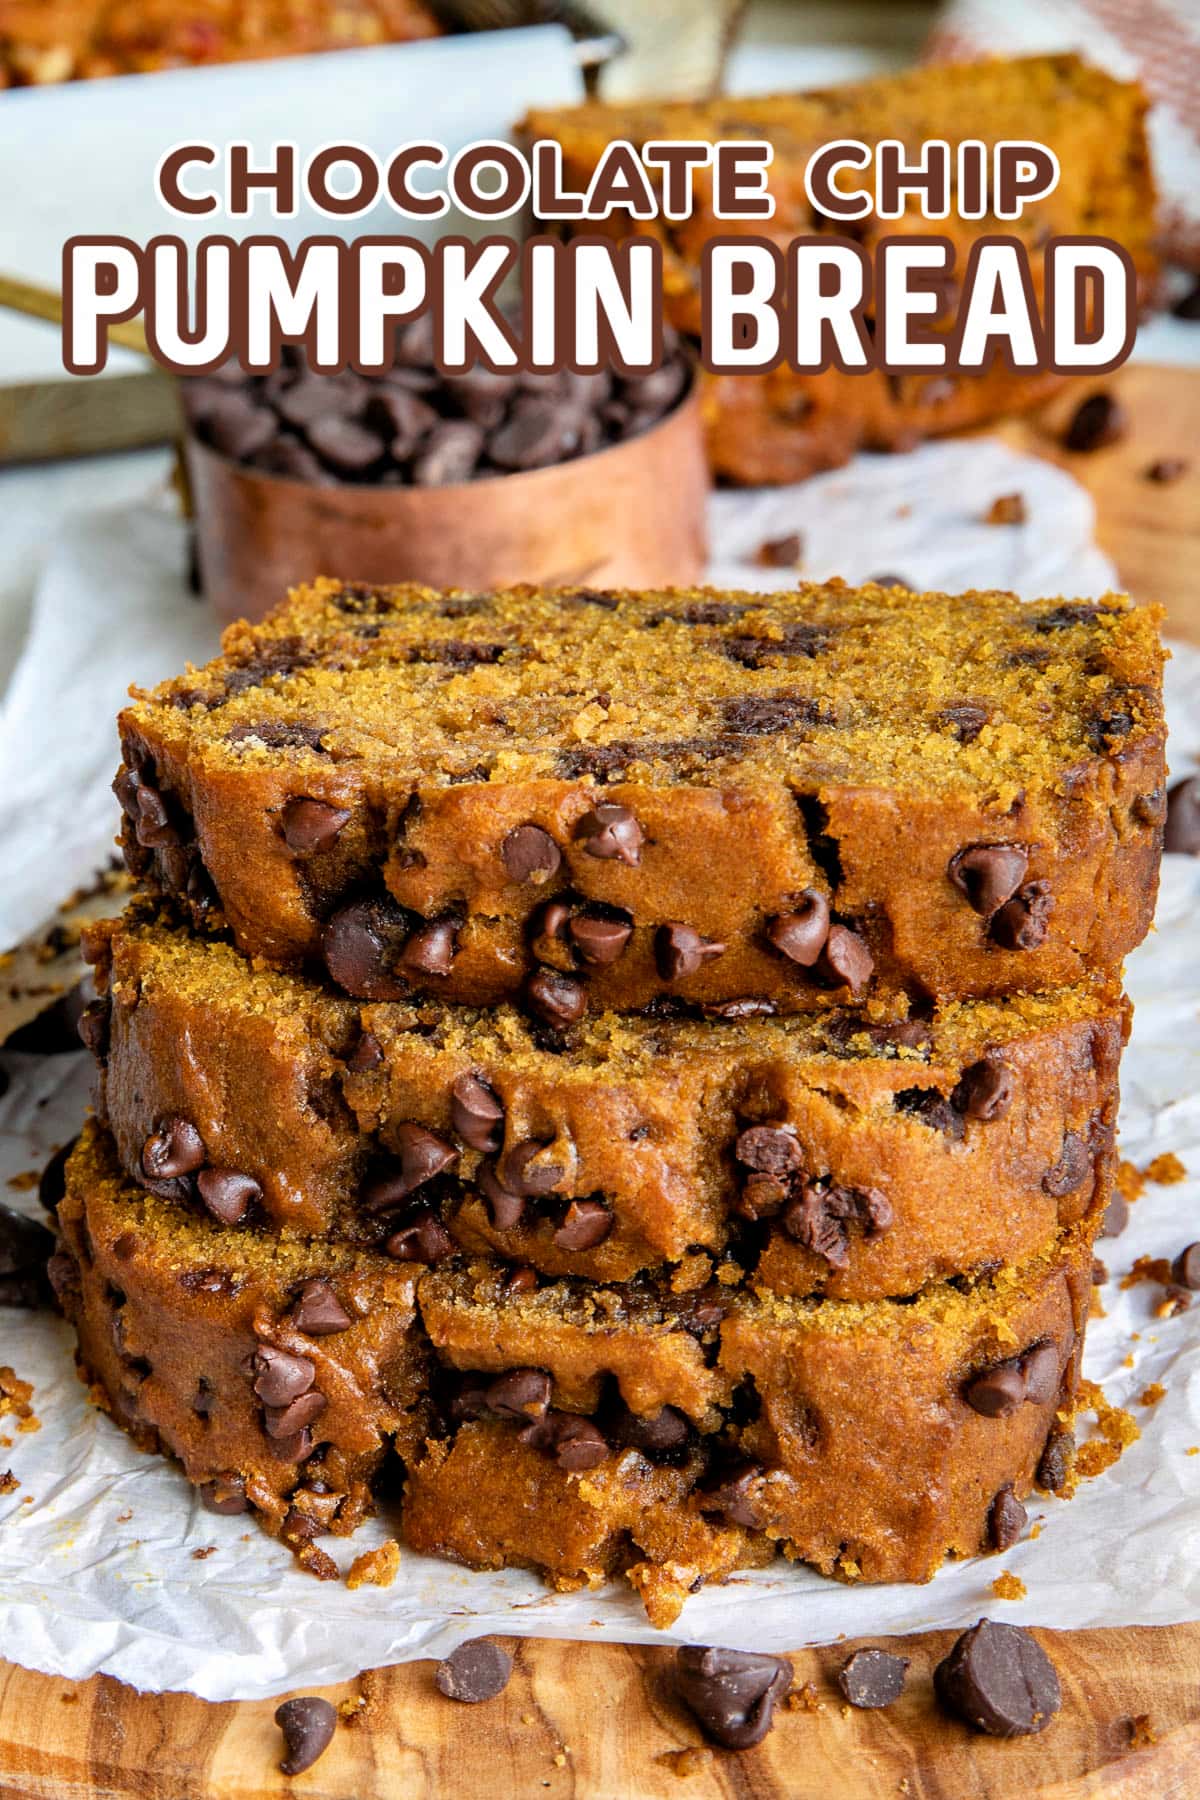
x,y
805,1699
1096,1305
29,1178
1036,1532
1006,509
378,1567
1192,1450
690,1761
1131,1183
1150,1396
123,1518
1166,1170
1116,1430
8,1482
1009,1587
1148,1268
30,1423
204,1552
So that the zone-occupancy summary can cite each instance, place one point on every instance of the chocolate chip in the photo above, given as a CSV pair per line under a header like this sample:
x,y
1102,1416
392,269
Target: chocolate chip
x,y
476,1113
296,1449
530,854
1185,1270
521,1280
872,1678
280,1377
52,1183
505,1209
449,454
228,1194
845,960
519,1394
761,715
818,1218
25,1249
423,1154
1097,421
360,945
536,433
1039,1366
984,1090
770,1149
965,719
312,825
585,1224
1116,1217
731,1694
735,1496
573,1441
225,1495
477,1670
93,1027
998,1392
892,581
800,935
1182,834
680,951
317,1311
527,1169
600,938
1055,1463
761,1196
745,1008
344,446
366,1054
431,949
290,1420
307,1725
1099,1271
988,874
1007,1519
781,552
1151,808
611,832
558,1000
174,1148
1000,1680
1024,923
424,1240
659,1435
279,734
1072,1168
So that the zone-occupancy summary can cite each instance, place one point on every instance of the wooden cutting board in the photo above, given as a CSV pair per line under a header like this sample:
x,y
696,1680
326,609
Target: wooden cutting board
x,y
597,1722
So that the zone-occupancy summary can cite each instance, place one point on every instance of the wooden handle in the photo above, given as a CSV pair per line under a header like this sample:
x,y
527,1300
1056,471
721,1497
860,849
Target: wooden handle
x,y
38,302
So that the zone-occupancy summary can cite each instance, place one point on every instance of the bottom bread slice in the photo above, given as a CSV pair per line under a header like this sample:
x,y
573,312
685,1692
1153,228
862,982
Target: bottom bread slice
x,y
576,1429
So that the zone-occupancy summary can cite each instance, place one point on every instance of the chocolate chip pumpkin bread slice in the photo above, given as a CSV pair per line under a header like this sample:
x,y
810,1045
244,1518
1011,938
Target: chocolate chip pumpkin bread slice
x,y
849,1155
581,799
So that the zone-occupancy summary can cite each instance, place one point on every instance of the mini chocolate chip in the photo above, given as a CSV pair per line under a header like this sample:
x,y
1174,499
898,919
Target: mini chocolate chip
x,y
769,1149
366,1054
311,825
1055,1463
600,939
317,1311
360,944
984,1090
1099,1271
93,1027
1185,1270
530,854
521,1280
818,1218
679,951
1116,1217
287,1421
998,1392
659,1434
1040,1369
585,1224
988,874
280,1377
558,1000
297,1449
732,1694
1182,834
762,715
423,1154
1097,421
431,949
1000,1680
1151,808
872,1678
800,934
226,1495
845,960
477,1670
52,1183
735,1495
1072,1168
25,1248
476,1113
174,1148
745,1008
307,1724
573,1441
892,581
228,1194
1024,923
781,552
526,1169
611,832
505,1209
1007,1519
519,1394
965,719
424,1240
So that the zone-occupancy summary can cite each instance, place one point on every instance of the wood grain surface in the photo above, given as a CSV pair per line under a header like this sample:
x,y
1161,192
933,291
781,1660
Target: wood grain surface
x,y
598,1722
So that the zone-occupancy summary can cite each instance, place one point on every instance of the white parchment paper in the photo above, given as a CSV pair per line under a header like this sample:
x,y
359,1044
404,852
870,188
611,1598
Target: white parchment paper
x,y
97,1570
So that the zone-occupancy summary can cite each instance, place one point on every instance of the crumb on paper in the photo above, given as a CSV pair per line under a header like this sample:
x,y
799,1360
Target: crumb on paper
x,y
205,1551
25,1181
378,1568
1131,1183
1006,509
30,1423
1115,1431
1036,1532
15,1396
1096,1305
1150,1396
1141,1732
8,1482
690,1761
1148,1268
123,1518
1165,1170
805,1699
1008,1586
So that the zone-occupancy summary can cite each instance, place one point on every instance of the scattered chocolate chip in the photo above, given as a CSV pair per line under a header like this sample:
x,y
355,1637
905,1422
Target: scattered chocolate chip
x,y
431,949
1039,1366
52,1183
1097,421
1072,1168
585,1224
1055,1463
527,1169
228,1194
1023,924
289,1421
312,825
600,938
984,1090
1185,1270
659,1435
174,1148
731,1694
965,719
476,1113
317,1310
611,832
735,1496
998,1392
769,1149
505,1209
988,874
360,945
519,1394
1000,1680
573,1441
477,1670
800,935
1167,468
781,552
680,951
280,1377
1182,834
872,1678
1007,1519
366,1054
558,1000
819,1217
423,1154
424,1240
530,854
307,1724
845,960
225,1495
